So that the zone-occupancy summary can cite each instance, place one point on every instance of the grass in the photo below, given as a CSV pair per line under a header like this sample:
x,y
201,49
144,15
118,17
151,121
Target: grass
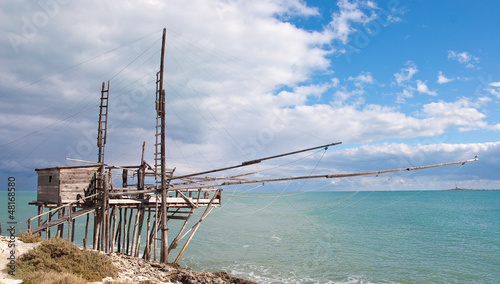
x,y
60,261
41,277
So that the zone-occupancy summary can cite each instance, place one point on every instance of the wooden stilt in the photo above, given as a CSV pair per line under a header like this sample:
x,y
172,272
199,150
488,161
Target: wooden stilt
x,y
97,226
60,228
69,223
147,254
152,239
155,235
134,235
113,234
40,211
73,226
119,232
124,229
128,231
47,230
86,232
139,231
105,215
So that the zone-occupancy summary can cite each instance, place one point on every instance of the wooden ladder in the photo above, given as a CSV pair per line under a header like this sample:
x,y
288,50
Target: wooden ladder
x,y
103,122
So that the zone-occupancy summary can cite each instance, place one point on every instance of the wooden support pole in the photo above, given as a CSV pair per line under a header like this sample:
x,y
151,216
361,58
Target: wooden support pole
x,y
164,228
174,243
73,226
205,214
119,232
128,231
86,232
113,235
69,223
155,236
40,211
60,214
147,253
105,216
134,235
47,229
141,221
124,229
97,228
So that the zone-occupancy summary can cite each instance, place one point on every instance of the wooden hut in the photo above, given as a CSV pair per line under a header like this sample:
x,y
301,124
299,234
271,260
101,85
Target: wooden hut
x,y
64,184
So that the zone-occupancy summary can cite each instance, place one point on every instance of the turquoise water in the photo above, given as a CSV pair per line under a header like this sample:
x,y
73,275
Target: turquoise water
x,y
346,237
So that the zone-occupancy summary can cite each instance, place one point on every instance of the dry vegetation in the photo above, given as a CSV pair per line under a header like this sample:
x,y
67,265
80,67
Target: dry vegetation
x,y
60,261
28,237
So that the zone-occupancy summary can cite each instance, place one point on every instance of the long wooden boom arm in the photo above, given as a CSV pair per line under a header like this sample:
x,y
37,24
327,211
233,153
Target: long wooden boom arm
x,y
247,181
247,163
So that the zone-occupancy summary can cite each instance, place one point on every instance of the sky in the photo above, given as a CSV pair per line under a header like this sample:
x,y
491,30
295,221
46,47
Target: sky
x,y
399,83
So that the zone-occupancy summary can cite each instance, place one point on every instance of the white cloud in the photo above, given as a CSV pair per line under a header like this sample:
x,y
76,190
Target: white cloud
x,y
362,79
225,62
495,84
465,58
463,113
422,88
406,73
299,95
402,96
494,92
349,12
442,78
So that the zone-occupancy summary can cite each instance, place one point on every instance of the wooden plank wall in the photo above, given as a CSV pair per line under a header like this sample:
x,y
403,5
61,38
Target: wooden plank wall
x,y
74,181
48,185
64,182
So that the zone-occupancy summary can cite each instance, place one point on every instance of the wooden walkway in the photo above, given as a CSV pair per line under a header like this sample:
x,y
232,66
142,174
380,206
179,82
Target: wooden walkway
x,y
65,218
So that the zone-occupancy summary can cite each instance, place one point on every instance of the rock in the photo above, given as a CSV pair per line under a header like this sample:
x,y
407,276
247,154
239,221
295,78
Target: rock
x,y
136,270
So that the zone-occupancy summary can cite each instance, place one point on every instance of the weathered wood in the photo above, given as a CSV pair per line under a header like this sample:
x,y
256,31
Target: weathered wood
x,y
73,225
47,229
146,254
86,232
65,182
128,231
97,226
40,211
113,234
119,232
247,163
106,226
197,225
60,228
124,229
134,235
174,243
69,223
141,222
65,218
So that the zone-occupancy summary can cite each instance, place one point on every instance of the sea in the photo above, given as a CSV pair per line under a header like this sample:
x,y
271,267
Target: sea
x,y
340,237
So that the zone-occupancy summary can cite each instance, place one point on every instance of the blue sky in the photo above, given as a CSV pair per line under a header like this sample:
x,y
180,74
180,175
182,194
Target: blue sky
x,y
400,83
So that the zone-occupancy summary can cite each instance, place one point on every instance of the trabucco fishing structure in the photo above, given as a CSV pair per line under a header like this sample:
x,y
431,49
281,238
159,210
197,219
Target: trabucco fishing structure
x,y
122,213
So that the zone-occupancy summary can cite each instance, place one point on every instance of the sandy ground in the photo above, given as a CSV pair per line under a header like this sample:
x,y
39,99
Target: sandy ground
x,y
5,253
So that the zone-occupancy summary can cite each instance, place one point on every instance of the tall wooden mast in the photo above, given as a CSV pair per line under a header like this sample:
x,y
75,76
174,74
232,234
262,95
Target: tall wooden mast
x,y
161,113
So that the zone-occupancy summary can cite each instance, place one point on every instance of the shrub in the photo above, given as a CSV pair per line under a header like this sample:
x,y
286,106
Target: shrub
x,y
61,256
28,237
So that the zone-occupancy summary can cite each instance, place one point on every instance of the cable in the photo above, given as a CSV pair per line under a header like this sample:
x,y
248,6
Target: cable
x,y
76,65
